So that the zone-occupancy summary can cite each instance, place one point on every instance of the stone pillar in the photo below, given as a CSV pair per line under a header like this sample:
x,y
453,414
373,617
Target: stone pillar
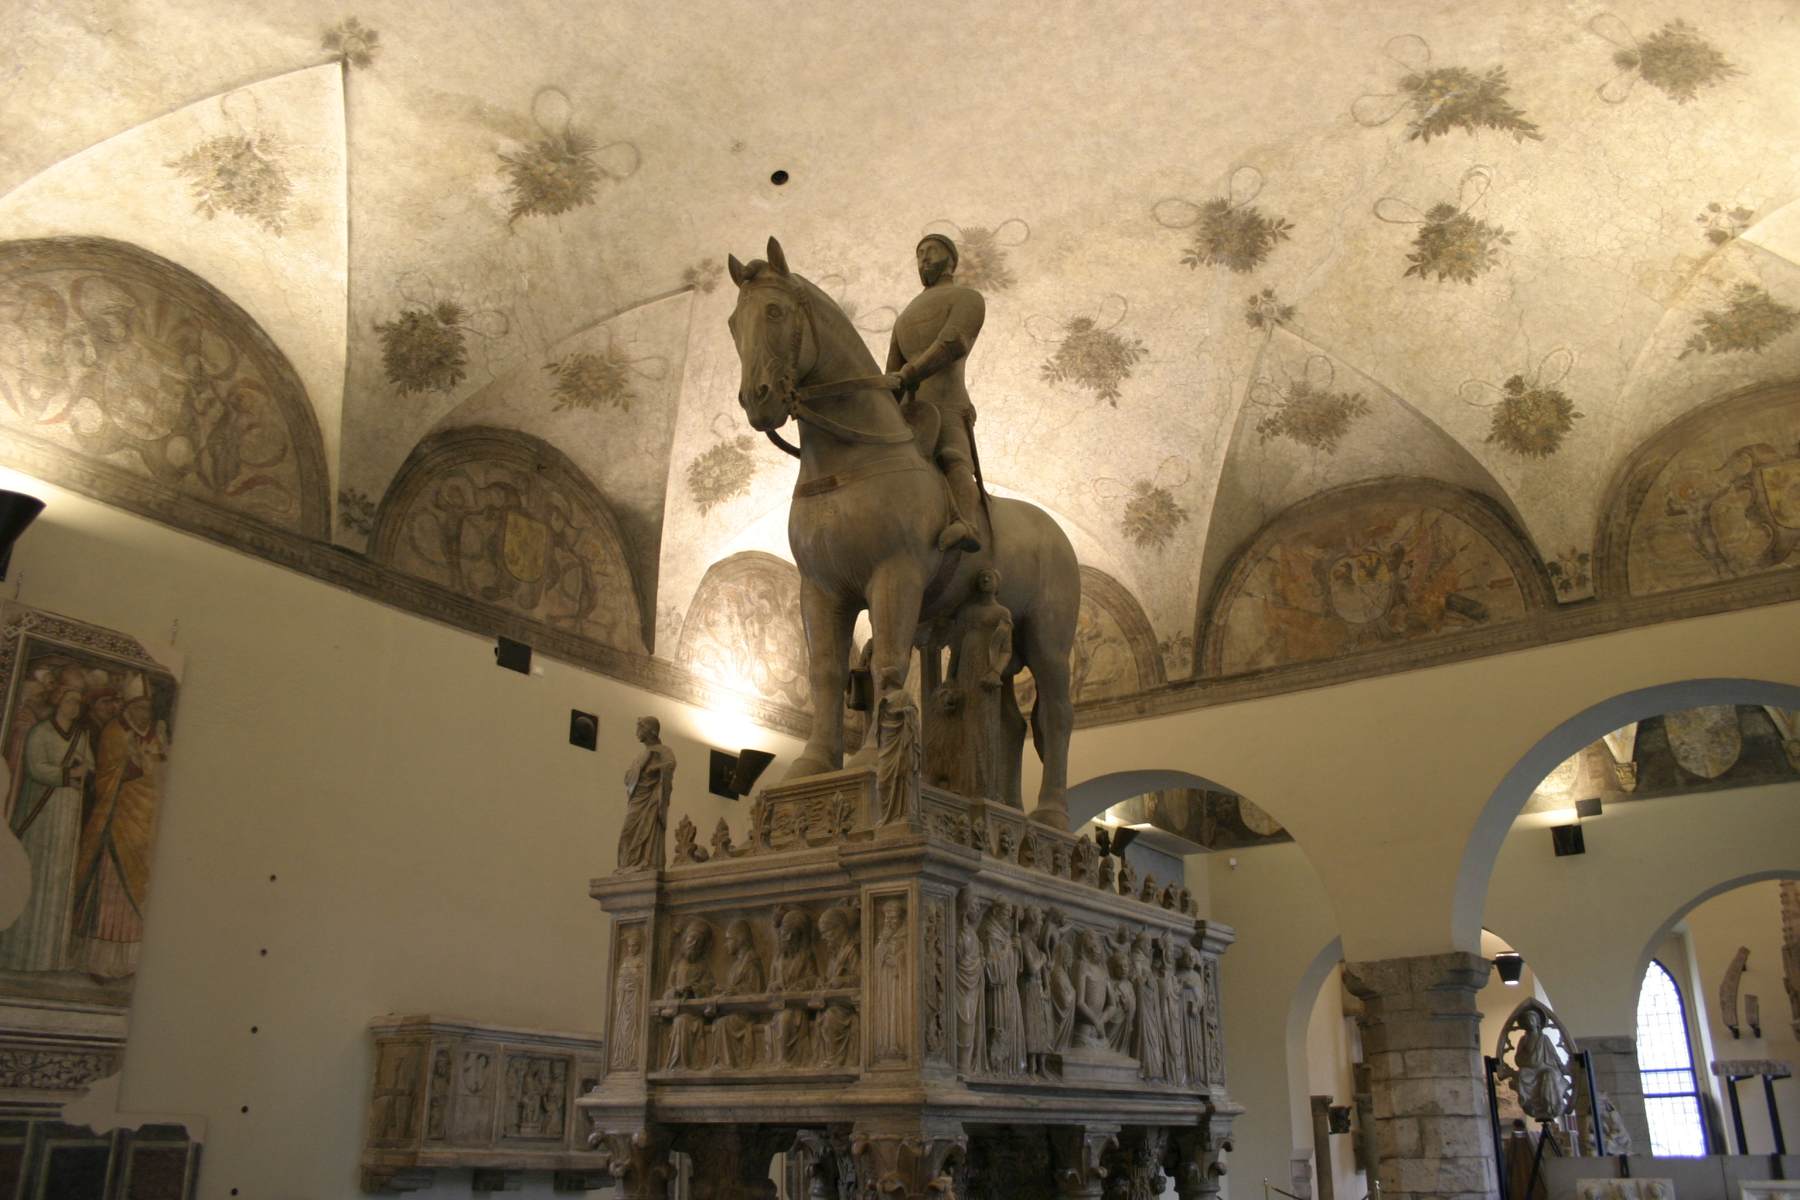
x,y
638,1159
908,1159
1616,1075
1422,1041
1076,1154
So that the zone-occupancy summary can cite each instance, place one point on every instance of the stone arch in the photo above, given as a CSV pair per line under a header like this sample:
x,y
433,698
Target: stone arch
x,y
1301,1003
1717,889
1091,797
129,378
504,518
1115,647
1712,497
1367,576
1509,797
743,631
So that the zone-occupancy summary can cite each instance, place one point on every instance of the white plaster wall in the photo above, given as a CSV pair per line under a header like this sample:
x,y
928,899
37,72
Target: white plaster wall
x,y
1329,1053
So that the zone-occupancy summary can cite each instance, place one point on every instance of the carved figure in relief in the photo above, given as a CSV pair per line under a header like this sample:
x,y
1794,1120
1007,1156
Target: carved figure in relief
x,y
1059,944
1095,1014
1174,1017
1082,865
1059,860
889,1018
1150,891
393,1111
971,1009
1215,1044
438,1101
1151,1045
648,784
981,649
843,953
737,1039
685,849
1005,1014
1539,1074
1122,1034
1034,991
795,971
690,978
1127,878
1005,844
1192,990
897,759
1103,873
628,1001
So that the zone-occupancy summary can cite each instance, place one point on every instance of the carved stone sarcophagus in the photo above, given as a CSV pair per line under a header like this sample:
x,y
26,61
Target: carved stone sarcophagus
x,y
911,991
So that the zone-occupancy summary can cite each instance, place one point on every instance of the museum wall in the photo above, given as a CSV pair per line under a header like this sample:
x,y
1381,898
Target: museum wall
x,y
1330,1049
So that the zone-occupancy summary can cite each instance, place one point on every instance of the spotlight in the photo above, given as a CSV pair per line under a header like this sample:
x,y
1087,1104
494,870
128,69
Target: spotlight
x,y
17,510
1509,964
1588,808
733,775
514,656
1568,840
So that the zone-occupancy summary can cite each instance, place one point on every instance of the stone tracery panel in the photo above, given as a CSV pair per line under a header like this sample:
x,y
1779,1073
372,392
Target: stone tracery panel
x,y
1365,569
113,355
503,518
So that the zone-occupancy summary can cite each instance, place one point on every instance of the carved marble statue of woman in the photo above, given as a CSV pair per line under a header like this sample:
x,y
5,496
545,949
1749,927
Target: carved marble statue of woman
x,y
1193,1010
891,980
898,759
971,1012
1095,1015
648,784
1538,1071
1059,948
735,1035
983,649
1168,986
1034,991
1150,1047
628,1001
1121,1033
795,971
690,978
1005,1015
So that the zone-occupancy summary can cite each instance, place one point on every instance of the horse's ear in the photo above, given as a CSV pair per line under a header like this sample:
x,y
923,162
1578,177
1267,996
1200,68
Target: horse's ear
x,y
736,268
777,259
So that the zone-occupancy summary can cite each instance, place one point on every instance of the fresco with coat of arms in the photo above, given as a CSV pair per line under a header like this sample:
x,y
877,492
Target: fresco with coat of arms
x,y
1720,498
499,517
1370,568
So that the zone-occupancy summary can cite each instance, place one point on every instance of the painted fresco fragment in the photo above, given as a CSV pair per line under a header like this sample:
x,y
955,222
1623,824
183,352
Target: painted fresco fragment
x,y
1150,515
587,380
1228,231
352,43
743,629
1357,576
1451,243
1750,320
1569,571
722,472
1264,310
1530,417
1676,60
1441,99
1721,224
120,357
1705,741
422,349
563,169
1306,410
1092,356
1724,504
703,276
982,252
356,511
239,173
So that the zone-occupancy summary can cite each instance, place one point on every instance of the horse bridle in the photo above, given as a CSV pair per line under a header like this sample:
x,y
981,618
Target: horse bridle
x,y
795,404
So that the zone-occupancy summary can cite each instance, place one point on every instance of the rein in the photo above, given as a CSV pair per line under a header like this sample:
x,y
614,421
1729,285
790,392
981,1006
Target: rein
x,y
800,410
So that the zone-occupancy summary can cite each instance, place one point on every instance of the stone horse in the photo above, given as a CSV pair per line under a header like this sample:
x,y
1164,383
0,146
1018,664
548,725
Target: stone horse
x,y
868,506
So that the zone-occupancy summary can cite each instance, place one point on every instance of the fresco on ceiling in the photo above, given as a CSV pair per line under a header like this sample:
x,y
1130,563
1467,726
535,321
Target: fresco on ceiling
x,y
352,43
425,347
1530,416
356,511
1091,352
981,253
1228,231
503,518
1216,820
1705,741
1569,570
1115,651
1451,243
1675,60
1304,409
703,276
1749,319
243,173
1366,568
116,356
561,170
724,470
1721,224
1442,99
870,320
586,380
1714,497
1149,514
86,735
743,629
1264,310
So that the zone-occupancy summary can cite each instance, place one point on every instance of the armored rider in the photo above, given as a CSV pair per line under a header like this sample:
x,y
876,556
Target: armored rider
x,y
925,358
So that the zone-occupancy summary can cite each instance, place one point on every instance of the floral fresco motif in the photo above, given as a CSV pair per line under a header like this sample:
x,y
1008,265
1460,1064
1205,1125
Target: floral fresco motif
x,y
1177,652
356,511
125,359
502,518
1531,421
1093,356
1454,245
1307,410
1151,516
422,349
1354,574
743,629
722,472
1442,99
561,170
1264,310
1722,224
981,252
1676,60
352,42
703,276
1569,571
1725,502
586,380
239,173
1750,320
1228,231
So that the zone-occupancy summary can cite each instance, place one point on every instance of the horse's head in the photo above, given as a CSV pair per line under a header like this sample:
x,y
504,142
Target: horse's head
x,y
774,337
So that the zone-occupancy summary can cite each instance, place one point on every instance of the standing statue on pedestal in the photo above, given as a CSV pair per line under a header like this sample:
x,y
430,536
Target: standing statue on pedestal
x,y
875,524
648,785
970,748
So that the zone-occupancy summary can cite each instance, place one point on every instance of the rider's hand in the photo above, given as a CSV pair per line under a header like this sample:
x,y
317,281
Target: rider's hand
x,y
894,382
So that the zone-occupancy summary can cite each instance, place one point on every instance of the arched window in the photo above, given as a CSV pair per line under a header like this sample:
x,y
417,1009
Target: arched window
x,y
1666,1062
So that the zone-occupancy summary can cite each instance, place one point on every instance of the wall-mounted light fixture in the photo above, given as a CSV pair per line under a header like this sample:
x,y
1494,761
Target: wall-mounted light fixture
x,y
17,510
1509,965
1587,808
1568,840
733,775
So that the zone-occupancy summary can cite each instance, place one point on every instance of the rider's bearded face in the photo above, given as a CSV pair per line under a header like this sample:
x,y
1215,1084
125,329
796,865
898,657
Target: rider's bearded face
x,y
934,262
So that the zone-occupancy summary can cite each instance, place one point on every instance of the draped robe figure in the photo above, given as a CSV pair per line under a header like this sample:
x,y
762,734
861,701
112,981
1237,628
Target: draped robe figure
x,y
648,784
794,971
889,1018
1000,985
1034,991
1093,1015
690,978
836,1027
1121,1031
1168,984
1150,1047
1193,1008
55,764
971,1012
735,1035
1537,1071
112,881
1062,991
628,1002
982,648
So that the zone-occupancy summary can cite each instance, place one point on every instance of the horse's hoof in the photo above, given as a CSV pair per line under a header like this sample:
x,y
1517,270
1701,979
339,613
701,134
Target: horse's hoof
x,y
808,765
1053,818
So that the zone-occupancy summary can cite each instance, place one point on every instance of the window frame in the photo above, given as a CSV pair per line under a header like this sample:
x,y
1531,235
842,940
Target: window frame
x,y
1694,1092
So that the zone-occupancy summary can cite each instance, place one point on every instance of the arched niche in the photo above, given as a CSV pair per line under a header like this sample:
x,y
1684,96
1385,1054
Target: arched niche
x,y
1366,572
504,518
743,630
1713,497
1115,651
133,380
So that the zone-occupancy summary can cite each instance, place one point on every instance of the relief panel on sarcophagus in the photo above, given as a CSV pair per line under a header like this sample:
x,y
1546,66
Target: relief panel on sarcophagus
x,y
475,1092
535,1100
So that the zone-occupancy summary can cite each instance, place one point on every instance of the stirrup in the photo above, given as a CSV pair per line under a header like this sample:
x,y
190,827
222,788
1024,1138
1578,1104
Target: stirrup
x,y
959,535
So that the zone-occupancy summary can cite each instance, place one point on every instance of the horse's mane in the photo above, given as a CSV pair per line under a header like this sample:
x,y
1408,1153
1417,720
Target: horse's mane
x,y
826,311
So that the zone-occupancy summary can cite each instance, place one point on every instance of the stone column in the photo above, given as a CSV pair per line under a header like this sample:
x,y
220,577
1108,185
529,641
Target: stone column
x,y
907,1159
1422,1041
638,1160
1076,1154
1616,1075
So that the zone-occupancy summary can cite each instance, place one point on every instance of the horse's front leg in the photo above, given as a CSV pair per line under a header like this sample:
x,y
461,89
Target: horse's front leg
x,y
828,619
896,591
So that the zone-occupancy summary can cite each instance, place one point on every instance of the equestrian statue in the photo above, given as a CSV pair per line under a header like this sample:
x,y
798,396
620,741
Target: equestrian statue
x,y
889,511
